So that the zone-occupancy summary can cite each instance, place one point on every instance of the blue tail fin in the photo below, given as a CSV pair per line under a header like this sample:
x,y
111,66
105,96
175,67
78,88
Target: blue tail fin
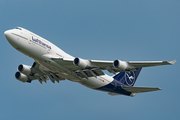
x,y
127,78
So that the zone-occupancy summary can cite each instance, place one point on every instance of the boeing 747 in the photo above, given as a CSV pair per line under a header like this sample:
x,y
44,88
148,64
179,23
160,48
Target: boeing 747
x,y
53,63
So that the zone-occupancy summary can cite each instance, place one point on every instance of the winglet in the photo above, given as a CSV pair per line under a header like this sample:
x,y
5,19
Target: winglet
x,y
172,62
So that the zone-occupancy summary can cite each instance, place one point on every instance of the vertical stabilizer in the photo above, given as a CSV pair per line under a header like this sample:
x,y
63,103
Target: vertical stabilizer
x,y
128,78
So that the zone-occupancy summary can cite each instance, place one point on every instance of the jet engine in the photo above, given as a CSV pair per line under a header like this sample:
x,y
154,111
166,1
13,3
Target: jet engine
x,y
21,77
81,63
25,69
121,65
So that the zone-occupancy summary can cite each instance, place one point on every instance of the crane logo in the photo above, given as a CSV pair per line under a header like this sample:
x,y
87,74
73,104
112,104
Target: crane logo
x,y
130,78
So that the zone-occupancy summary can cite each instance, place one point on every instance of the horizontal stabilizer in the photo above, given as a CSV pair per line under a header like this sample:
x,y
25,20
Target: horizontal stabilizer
x,y
172,62
139,89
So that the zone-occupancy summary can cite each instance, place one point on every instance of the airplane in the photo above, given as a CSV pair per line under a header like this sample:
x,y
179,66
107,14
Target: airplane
x,y
53,63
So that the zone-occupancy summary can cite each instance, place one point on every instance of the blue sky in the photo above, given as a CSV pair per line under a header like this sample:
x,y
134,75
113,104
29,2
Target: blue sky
x,y
97,29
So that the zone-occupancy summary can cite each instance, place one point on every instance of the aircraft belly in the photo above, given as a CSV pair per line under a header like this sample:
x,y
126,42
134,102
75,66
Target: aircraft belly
x,y
96,82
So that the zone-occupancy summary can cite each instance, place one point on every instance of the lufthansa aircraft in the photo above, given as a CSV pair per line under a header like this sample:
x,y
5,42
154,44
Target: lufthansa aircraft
x,y
54,64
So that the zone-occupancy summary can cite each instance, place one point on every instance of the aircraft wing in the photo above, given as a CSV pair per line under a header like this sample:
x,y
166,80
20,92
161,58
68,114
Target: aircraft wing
x,y
139,64
37,72
69,63
131,65
78,64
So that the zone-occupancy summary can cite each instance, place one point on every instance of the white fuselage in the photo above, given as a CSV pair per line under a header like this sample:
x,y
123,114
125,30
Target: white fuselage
x,y
42,51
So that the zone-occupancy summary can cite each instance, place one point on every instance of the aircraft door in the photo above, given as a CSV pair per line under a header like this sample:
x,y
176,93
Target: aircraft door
x,y
30,41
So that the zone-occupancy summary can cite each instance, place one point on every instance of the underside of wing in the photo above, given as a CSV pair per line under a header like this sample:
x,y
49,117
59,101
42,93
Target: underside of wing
x,y
88,68
111,66
43,74
82,64
36,72
79,65
68,63
138,64
139,89
83,72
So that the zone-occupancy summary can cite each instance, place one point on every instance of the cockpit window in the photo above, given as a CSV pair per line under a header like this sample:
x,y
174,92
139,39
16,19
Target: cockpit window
x,y
18,28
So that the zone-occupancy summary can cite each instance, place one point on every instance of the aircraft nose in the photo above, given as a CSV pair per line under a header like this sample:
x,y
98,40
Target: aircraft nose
x,y
10,38
7,34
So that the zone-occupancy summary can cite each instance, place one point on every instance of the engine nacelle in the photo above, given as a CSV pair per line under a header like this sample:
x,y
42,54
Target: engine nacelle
x,y
81,63
121,65
21,77
25,69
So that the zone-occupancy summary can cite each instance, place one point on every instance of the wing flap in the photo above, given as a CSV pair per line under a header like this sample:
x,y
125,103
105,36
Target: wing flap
x,y
139,89
89,73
